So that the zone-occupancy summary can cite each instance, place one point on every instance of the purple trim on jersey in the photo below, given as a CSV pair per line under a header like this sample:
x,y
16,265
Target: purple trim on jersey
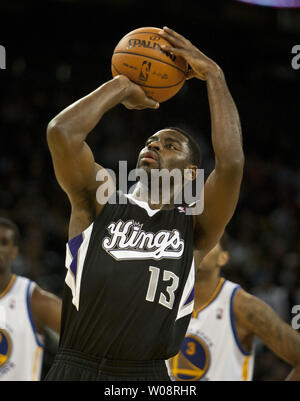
x,y
191,297
74,245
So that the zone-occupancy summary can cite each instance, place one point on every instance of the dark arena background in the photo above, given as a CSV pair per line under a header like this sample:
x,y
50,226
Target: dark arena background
x,y
59,51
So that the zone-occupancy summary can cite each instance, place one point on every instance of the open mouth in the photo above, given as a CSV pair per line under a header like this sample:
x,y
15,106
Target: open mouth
x,y
149,156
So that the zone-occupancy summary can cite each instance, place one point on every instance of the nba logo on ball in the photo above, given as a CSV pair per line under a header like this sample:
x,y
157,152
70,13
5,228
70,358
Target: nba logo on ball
x,y
193,360
145,71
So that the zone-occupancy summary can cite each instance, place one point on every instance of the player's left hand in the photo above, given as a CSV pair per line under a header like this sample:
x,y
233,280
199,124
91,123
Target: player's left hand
x,y
201,66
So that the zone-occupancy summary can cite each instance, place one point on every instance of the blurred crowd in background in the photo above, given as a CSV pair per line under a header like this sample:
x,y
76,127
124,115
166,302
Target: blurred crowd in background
x,y
67,55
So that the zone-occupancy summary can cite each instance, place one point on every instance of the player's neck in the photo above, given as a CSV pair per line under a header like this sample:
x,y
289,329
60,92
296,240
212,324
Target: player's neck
x,y
5,278
205,286
155,201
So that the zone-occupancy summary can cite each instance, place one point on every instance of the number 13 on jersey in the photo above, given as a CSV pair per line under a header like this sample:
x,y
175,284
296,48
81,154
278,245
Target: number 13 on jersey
x,y
170,289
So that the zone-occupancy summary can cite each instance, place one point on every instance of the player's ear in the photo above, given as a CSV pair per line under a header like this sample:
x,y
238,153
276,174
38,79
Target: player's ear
x,y
223,258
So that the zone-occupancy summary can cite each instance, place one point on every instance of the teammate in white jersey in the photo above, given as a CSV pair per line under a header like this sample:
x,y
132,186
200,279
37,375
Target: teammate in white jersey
x,y
25,311
219,340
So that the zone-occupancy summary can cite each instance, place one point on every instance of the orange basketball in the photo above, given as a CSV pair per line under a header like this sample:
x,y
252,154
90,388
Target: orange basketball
x,y
140,57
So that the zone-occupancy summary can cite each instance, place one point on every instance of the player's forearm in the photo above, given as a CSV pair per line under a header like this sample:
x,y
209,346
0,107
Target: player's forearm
x,y
54,313
78,120
225,123
294,375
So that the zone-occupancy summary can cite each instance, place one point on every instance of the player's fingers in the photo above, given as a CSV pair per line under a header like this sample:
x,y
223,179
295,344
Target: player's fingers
x,y
150,103
174,50
173,33
174,42
174,37
190,74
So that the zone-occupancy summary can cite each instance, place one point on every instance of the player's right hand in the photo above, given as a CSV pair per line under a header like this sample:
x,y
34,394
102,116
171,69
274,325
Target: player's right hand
x,y
134,96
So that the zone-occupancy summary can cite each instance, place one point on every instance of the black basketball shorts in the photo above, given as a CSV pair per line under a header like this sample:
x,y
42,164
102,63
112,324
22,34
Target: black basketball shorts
x,y
70,365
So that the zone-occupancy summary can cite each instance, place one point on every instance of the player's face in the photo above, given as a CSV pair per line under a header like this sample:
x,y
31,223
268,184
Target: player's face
x,y
166,149
8,250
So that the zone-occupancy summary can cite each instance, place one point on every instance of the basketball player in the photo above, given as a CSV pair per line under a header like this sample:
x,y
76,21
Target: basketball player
x,y
219,340
129,287
25,311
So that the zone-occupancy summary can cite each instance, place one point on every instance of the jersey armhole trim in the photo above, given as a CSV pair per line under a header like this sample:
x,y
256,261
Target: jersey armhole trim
x,y
233,326
28,303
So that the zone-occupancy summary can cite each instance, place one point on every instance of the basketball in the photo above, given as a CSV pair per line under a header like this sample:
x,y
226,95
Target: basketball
x,y
140,57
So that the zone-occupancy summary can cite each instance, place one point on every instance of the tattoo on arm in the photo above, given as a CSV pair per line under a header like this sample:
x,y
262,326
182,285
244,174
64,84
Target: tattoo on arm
x,y
261,320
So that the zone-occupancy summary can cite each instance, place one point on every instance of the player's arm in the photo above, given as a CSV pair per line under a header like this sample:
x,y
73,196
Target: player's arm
x,y
46,310
73,159
258,318
222,187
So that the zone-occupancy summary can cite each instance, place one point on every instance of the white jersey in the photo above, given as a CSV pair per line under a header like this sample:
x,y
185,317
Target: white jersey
x,y
211,349
21,349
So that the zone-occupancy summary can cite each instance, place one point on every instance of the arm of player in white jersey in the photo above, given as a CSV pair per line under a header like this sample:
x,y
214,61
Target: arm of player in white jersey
x,y
258,318
46,310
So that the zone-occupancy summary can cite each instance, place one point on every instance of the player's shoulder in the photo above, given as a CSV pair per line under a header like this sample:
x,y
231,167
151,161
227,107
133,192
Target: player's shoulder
x,y
22,281
243,296
231,284
229,288
20,286
245,305
233,293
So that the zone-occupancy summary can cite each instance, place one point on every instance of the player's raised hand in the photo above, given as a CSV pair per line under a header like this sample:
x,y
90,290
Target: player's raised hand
x,y
201,65
134,96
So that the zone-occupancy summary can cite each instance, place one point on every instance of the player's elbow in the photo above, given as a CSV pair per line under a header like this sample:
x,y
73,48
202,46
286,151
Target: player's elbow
x,y
56,135
54,129
231,167
237,163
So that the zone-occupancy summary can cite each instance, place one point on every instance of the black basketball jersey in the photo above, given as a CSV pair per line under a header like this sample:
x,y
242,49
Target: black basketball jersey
x,y
130,283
